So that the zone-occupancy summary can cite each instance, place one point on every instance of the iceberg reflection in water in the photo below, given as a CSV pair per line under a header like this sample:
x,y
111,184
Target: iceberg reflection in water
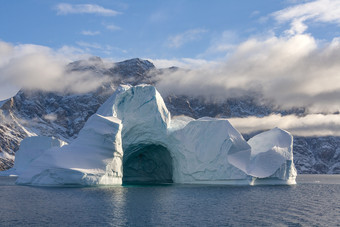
x,y
307,204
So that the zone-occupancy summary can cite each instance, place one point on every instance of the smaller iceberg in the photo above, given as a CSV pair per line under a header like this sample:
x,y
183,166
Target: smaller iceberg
x,y
95,157
30,149
269,151
132,139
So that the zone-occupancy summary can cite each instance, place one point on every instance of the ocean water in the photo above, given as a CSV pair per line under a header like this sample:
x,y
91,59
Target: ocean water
x,y
314,201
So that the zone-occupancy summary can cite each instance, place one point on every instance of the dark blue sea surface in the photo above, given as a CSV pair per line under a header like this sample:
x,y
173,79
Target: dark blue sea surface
x,y
314,201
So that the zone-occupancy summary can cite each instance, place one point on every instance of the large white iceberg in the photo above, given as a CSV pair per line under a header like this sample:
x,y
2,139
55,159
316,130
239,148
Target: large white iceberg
x,y
132,138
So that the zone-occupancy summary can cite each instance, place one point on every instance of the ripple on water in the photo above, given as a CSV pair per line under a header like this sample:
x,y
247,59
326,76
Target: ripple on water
x,y
305,204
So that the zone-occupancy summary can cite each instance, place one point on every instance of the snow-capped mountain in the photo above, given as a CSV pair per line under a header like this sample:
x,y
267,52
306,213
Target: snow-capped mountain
x,y
63,115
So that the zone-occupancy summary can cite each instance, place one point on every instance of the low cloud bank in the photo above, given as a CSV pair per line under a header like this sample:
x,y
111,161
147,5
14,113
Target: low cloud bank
x,y
310,125
289,71
39,67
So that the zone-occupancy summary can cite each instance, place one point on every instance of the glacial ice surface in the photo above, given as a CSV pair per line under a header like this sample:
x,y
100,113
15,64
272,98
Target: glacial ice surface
x,y
30,149
132,138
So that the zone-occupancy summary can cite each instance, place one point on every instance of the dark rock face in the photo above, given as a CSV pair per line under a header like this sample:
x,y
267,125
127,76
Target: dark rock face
x,y
63,115
134,71
5,164
317,154
196,108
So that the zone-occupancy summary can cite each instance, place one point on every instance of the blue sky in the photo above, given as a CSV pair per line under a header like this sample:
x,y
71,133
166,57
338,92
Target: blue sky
x,y
232,46
288,51
148,29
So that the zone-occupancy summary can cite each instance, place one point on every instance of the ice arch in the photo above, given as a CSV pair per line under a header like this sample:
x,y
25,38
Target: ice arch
x,y
132,134
145,121
147,163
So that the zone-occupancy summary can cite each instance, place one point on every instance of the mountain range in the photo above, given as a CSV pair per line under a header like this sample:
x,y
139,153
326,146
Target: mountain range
x,y
63,114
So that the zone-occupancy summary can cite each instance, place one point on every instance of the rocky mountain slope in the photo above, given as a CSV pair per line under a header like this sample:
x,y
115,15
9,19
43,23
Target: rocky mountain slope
x,y
63,115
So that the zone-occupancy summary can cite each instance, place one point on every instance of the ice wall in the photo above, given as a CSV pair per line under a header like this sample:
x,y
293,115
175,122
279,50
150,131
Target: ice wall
x,y
30,149
272,156
144,116
200,151
94,158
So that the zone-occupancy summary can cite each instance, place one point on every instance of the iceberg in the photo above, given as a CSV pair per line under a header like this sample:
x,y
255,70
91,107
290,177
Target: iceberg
x,y
133,139
30,149
94,158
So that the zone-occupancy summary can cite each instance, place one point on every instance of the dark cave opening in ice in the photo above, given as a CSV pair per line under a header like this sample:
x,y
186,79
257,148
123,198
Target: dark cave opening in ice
x,y
147,164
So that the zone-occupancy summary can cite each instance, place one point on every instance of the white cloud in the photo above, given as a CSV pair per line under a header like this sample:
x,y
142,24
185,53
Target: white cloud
x,y
289,71
254,13
50,117
99,49
185,37
5,50
223,44
38,67
319,10
89,45
112,27
310,125
326,11
72,53
185,63
90,33
65,8
297,27
7,90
